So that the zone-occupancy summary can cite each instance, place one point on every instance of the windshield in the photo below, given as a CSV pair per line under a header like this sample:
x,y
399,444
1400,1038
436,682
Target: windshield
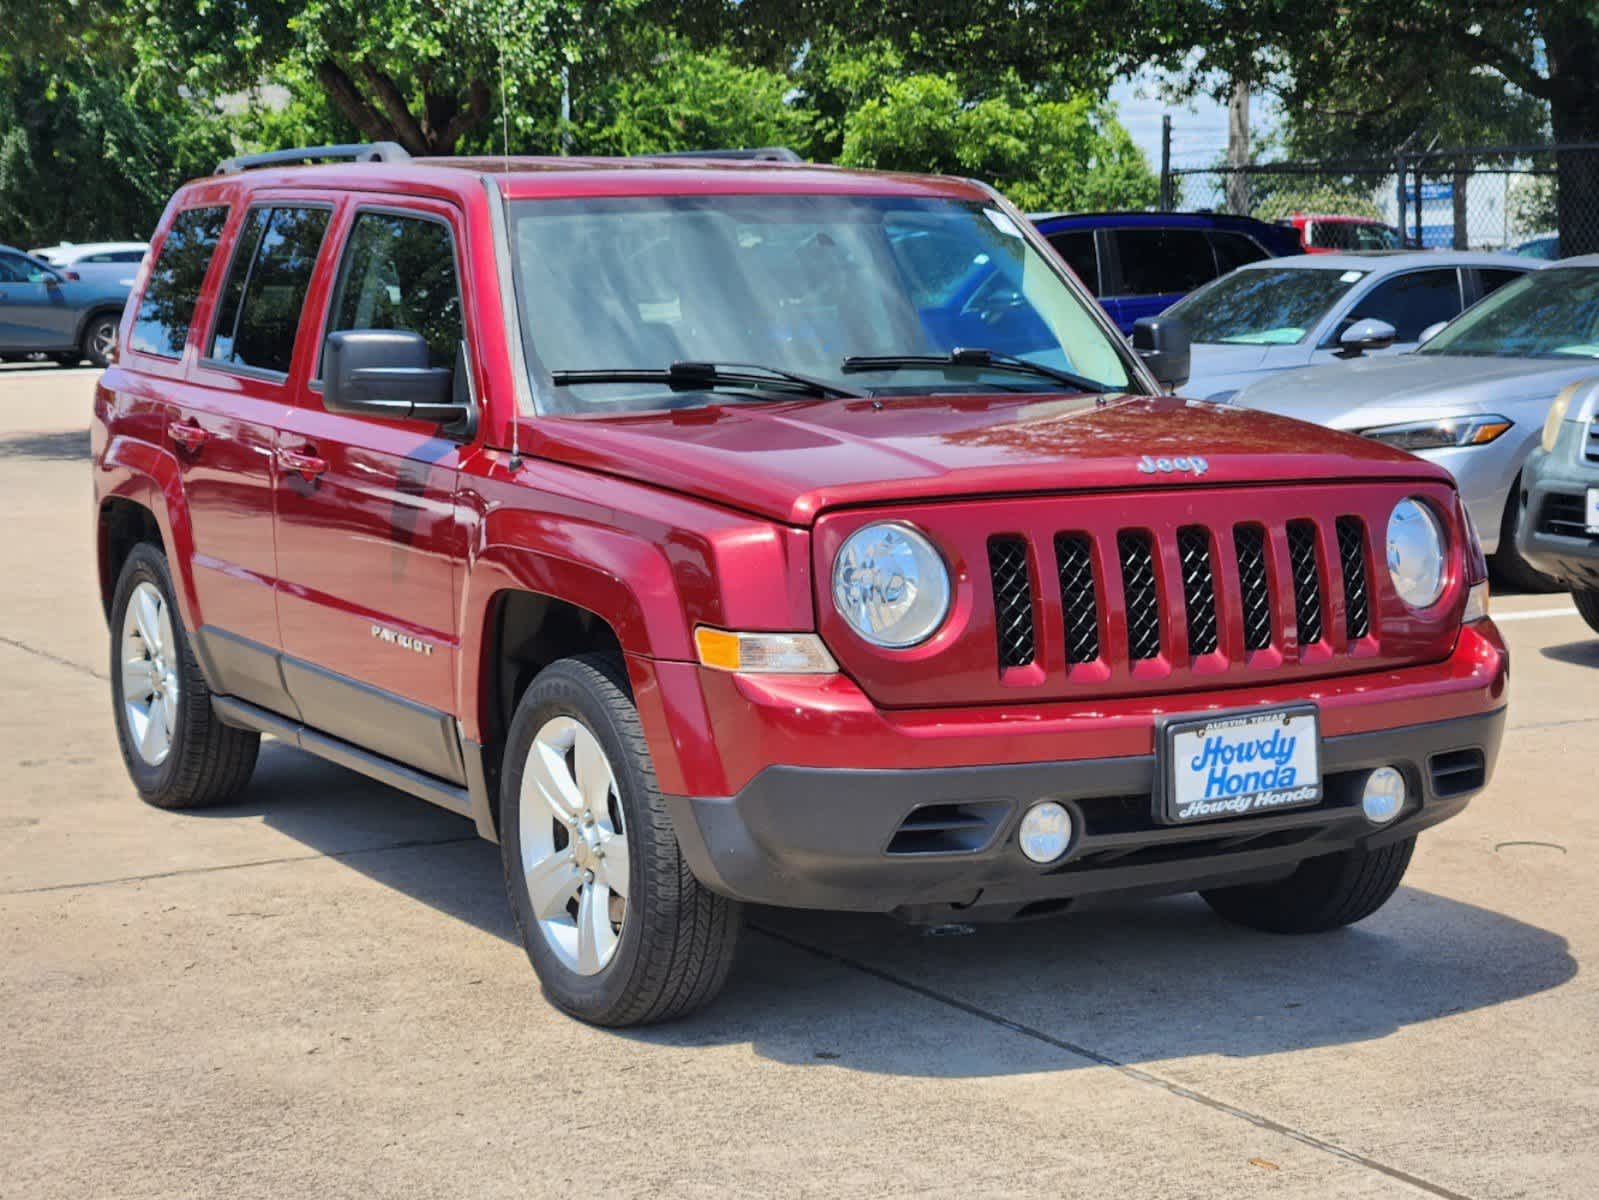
x,y
1271,306
795,283
1548,314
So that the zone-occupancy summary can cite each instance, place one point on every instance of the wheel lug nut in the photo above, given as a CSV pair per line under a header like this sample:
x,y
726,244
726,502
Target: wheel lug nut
x,y
588,876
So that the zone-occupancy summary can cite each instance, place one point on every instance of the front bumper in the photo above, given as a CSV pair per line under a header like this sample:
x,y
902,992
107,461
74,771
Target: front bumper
x,y
1557,485
840,838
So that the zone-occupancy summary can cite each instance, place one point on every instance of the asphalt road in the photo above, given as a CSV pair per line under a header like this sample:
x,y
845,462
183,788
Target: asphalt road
x,y
318,992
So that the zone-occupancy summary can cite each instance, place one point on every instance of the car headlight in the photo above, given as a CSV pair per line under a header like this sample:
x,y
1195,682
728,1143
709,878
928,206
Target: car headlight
x,y
1437,435
891,585
1416,553
1557,414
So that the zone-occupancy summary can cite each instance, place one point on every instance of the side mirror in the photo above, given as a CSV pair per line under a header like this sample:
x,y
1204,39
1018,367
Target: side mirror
x,y
385,373
1368,334
1164,345
1431,332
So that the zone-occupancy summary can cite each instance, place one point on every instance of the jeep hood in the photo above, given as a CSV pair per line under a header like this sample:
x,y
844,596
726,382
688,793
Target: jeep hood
x,y
790,460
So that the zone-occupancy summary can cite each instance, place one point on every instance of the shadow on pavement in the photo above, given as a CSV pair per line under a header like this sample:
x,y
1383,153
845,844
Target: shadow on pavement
x,y
1138,982
71,446
1581,654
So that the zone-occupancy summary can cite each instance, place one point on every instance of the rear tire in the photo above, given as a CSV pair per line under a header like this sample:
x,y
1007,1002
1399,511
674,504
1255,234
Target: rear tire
x,y
630,946
177,751
1588,605
1324,893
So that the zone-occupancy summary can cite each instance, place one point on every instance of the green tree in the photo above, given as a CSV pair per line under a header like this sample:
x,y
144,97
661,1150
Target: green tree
x,y
1043,154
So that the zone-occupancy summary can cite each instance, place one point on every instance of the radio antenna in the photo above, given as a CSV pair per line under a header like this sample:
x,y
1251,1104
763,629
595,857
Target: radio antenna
x,y
505,162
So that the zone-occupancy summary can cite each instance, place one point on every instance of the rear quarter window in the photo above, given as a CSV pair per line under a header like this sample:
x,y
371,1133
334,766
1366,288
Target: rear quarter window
x,y
1157,262
1077,248
266,288
161,325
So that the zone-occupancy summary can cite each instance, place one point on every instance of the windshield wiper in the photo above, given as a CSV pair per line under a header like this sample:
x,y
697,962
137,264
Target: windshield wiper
x,y
695,376
972,356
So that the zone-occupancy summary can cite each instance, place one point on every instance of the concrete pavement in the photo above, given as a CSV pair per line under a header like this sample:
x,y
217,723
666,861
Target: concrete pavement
x,y
317,991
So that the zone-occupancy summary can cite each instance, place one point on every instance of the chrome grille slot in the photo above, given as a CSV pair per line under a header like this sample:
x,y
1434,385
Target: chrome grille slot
x,y
1141,596
1352,558
1079,596
1012,578
1249,544
1199,589
1307,580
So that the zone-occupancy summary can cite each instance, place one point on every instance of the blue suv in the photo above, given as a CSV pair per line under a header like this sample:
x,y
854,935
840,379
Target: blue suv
x,y
1140,263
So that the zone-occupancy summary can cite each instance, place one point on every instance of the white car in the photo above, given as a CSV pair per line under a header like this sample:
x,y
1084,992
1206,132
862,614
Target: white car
x,y
1283,313
97,262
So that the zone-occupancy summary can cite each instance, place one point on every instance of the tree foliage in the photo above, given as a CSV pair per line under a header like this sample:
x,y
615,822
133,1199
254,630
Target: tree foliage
x,y
1043,154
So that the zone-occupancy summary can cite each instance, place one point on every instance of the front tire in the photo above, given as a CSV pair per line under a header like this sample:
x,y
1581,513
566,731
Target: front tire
x,y
99,342
178,753
1509,567
1324,893
1587,603
618,929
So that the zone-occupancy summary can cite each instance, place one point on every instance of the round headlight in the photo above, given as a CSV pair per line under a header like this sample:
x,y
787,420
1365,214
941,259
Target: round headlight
x,y
890,585
1416,553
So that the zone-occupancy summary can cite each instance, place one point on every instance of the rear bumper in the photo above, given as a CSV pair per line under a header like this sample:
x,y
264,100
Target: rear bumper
x,y
808,837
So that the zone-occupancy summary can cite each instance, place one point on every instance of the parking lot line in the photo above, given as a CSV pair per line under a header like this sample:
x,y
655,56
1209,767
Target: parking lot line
x,y
1533,614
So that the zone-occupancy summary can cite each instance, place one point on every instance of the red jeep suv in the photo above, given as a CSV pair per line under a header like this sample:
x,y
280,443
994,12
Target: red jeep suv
x,y
714,532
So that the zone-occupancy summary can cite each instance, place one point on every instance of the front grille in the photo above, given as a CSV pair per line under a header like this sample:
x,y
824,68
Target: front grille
x,y
1140,595
1013,599
1352,558
1079,597
1199,589
1592,448
1563,515
1249,543
1307,580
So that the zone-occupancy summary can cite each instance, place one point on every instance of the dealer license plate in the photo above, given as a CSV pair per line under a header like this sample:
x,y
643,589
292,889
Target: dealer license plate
x,y
1240,764
1593,510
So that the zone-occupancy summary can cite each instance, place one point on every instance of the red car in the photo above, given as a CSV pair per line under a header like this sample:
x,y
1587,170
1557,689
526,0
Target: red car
x,y
1325,233
665,520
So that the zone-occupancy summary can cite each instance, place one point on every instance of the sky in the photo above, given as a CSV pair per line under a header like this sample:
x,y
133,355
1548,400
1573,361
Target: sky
x,y
1199,126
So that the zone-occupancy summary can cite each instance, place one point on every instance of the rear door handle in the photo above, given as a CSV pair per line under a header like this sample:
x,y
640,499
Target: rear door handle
x,y
187,434
307,466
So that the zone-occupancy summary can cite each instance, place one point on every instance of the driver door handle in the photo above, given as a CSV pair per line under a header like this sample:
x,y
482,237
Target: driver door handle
x,y
307,466
187,434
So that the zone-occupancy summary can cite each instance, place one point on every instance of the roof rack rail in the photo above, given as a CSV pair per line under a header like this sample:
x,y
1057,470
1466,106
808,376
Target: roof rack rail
x,y
351,152
757,154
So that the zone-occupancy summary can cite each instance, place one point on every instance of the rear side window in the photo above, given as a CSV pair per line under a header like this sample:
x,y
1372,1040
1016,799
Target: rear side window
x,y
1077,248
13,268
1491,279
1235,249
1156,262
399,273
1411,302
162,324
266,287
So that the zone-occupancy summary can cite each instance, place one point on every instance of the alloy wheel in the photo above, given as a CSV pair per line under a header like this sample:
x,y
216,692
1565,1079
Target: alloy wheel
x,y
149,669
574,846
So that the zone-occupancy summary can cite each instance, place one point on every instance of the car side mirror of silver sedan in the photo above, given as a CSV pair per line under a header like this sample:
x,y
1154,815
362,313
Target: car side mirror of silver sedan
x,y
1367,334
1431,332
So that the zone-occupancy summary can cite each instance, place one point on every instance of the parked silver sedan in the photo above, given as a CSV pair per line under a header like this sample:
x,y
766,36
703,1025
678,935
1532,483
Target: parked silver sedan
x,y
1473,398
1283,313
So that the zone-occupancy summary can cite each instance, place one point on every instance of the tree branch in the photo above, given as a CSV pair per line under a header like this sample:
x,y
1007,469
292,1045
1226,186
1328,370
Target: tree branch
x,y
477,107
362,115
405,126
1491,54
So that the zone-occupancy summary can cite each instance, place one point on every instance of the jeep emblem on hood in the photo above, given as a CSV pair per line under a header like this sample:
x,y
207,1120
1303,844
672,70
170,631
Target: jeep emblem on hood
x,y
1166,466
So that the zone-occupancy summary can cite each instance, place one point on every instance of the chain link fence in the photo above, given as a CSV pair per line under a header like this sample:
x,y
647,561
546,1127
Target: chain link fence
x,y
1544,198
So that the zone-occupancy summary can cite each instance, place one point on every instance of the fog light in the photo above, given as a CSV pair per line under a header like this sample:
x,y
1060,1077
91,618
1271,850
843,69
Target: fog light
x,y
1046,831
1384,795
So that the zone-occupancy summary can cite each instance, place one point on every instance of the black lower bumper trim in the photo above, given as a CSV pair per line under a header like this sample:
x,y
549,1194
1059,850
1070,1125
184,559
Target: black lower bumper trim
x,y
805,837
